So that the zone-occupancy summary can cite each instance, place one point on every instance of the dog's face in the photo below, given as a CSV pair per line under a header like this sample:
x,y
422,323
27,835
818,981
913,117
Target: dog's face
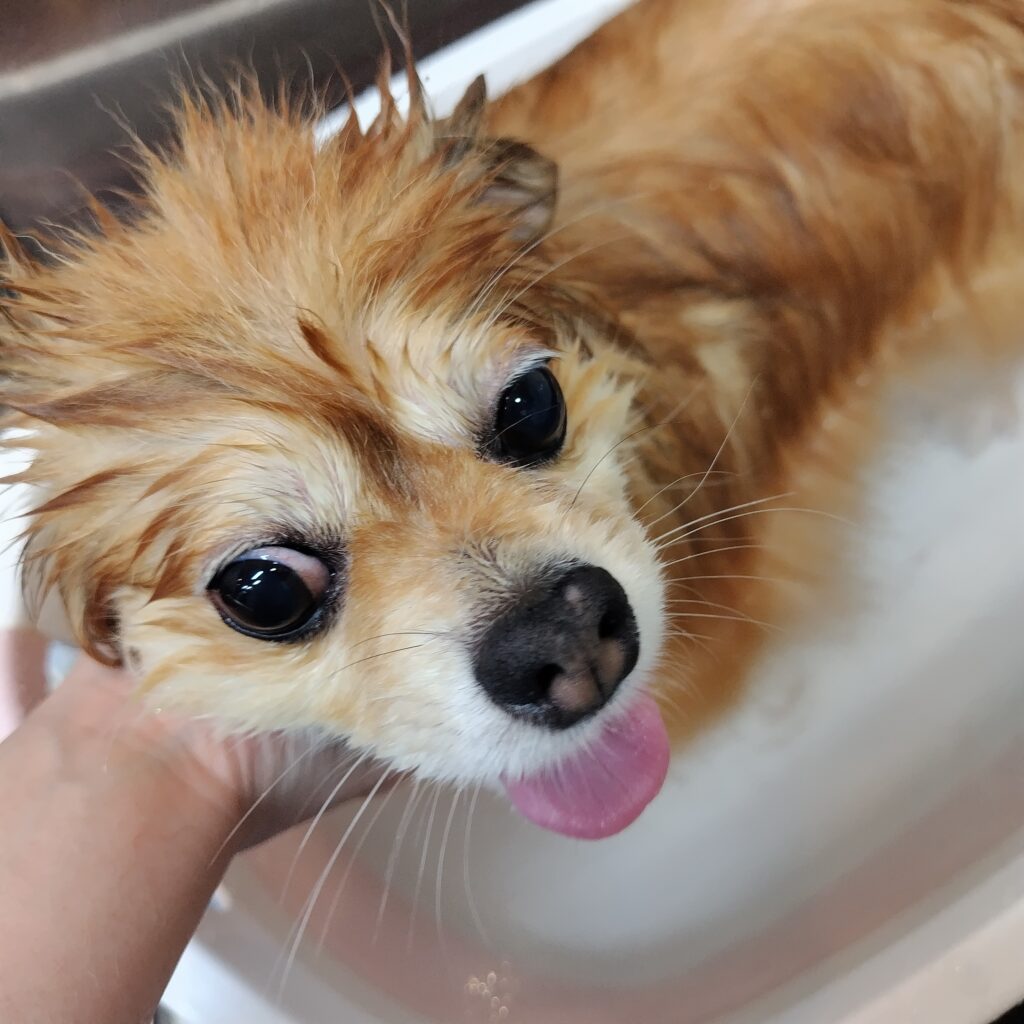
x,y
323,444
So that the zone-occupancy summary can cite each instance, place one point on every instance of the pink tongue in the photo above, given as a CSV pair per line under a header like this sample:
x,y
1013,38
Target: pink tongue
x,y
604,787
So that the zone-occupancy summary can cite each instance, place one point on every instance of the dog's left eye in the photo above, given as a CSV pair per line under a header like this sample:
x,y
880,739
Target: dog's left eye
x,y
271,593
530,424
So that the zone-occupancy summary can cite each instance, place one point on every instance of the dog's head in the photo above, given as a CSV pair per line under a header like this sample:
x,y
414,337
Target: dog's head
x,y
323,442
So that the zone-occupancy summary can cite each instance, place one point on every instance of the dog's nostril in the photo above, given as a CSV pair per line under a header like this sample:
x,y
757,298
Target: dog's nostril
x,y
561,652
609,625
546,675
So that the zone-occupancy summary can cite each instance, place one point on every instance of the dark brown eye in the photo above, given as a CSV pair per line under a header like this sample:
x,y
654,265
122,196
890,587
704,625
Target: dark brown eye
x,y
529,427
271,593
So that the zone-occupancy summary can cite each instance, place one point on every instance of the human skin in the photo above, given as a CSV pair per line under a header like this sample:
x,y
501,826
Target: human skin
x,y
118,824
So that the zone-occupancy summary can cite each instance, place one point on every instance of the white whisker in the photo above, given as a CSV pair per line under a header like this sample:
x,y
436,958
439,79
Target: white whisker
x,y
299,929
670,485
348,869
701,603
712,551
727,618
439,880
648,426
324,808
743,515
423,862
714,460
470,899
403,826
718,514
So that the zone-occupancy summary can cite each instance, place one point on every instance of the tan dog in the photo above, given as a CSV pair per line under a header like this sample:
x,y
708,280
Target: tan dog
x,y
397,440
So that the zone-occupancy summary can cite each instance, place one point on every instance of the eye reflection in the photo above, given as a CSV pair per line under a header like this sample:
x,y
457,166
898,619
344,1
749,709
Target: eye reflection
x,y
270,593
530,423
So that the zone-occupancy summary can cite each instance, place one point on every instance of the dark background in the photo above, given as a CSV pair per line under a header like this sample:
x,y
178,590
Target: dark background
x,y
71,70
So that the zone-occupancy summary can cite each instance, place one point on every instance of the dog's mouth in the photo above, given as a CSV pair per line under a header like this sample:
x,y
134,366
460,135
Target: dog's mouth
x,y
557,658
605,786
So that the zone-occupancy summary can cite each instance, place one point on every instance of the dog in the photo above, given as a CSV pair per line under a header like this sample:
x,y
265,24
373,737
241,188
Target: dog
x,y
474,440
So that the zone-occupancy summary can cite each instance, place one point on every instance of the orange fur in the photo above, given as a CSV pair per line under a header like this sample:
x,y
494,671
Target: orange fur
x,y
757,202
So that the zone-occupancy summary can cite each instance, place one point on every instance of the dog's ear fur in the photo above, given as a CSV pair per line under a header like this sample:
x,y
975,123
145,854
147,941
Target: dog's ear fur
x,y
518,179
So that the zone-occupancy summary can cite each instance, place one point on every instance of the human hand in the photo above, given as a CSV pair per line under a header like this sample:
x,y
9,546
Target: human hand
x,y
267,782
118,825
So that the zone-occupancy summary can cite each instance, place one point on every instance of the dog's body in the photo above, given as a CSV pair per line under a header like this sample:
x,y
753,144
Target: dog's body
x,y
760,204
785,205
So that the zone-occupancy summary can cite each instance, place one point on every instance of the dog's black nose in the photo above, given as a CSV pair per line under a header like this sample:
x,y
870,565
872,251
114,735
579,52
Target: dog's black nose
x,y
561,651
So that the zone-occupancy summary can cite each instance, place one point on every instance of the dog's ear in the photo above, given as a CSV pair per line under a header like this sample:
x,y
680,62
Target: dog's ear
x,y
517,179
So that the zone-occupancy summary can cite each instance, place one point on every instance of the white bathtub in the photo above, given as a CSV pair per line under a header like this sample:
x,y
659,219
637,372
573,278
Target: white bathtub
x,y
847,848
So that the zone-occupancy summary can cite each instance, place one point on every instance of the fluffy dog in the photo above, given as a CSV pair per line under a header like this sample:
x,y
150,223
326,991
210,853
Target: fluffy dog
x,y
424,437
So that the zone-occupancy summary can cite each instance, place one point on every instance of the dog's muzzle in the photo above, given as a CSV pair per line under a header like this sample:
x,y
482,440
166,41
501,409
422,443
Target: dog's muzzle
x,y
561,651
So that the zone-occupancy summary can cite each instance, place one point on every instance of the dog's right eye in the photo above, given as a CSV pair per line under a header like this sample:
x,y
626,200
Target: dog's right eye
x,y
530,423
271,593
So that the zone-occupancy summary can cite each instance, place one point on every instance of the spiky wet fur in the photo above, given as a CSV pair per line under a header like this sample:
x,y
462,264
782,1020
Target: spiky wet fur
x,y
763,208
